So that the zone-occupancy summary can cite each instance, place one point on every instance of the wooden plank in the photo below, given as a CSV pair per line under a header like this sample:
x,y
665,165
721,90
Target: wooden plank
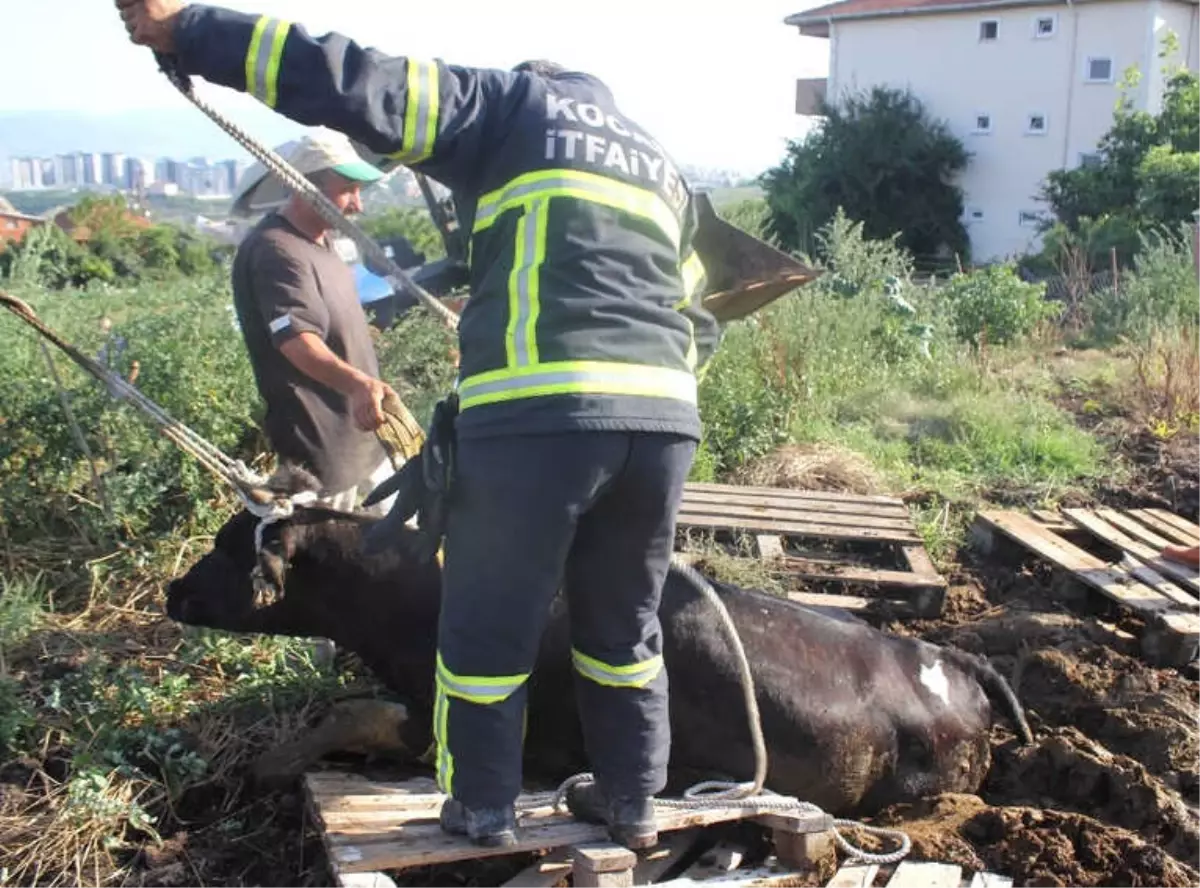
x,y
770,546
1110,580
818,600
990,880
1051,520
828,569
603,865
919,561
767,499
925,875
365,880
1165,528
367,839
854,876
545,873
1133,528
1177,521
653,863
797,528
830,495
1115,537
747,516
766,876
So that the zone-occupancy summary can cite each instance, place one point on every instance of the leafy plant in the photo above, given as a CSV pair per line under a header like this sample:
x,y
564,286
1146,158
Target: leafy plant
x,y
993,306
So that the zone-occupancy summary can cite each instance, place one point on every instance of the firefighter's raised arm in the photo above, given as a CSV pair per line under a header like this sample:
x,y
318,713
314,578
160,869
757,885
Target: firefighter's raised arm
x,y
407,110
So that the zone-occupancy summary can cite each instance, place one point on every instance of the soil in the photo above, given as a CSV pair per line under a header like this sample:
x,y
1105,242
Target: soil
x,y
1108,793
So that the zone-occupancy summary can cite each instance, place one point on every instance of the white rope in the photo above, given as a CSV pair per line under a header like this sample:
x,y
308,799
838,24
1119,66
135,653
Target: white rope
x,y
323,205
750,795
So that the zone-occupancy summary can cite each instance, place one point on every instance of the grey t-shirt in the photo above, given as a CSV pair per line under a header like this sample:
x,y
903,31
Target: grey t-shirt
x,y
284,284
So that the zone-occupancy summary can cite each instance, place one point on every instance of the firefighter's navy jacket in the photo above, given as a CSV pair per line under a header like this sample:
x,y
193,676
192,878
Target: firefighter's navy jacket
x,y
585,291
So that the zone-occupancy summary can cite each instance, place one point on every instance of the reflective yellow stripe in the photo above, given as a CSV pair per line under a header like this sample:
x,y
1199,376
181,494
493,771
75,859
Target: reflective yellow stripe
x,y
520,339
576,377
546,184
634,675
281,32
691,270
445,761
420,112
263,58
477,688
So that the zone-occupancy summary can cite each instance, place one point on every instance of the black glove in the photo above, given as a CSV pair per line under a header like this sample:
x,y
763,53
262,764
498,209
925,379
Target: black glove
x,y
422,488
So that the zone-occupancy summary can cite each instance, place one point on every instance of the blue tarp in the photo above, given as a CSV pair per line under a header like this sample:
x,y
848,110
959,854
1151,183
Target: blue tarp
x,y
371,287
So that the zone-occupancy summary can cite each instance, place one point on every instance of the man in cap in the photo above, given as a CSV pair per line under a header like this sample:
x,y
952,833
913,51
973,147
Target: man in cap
x,y
305,329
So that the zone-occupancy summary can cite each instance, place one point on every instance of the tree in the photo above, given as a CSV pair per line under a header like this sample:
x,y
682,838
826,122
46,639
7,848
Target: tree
x,y
1147,174
880,157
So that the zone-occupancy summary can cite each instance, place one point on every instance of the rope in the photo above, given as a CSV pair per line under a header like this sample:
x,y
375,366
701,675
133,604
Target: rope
x,y
245,481
294,180
749,795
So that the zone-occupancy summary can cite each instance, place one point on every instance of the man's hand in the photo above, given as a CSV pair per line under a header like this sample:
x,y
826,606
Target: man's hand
x,y
151,22
366,402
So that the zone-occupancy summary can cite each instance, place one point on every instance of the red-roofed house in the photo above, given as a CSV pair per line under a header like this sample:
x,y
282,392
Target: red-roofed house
x,y
1028,85
13,225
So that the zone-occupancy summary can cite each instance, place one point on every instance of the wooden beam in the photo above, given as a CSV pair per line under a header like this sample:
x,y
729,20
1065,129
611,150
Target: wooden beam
x,y
925,875
603,865
790,493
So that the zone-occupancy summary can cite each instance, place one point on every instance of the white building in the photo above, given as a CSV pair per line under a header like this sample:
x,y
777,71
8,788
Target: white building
x,y
1028,86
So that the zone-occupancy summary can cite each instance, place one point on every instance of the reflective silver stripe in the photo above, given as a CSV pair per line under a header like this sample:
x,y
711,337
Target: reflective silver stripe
x,y
262,59
525,282
420,112
585,186
478,689
635,675
582,377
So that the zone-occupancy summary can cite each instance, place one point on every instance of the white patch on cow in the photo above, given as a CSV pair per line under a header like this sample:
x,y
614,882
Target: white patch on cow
x,y
935,680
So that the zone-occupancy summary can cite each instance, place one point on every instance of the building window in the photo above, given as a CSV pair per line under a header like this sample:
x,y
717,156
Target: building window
x,y
1089,159
1035,124
1099,69
1044,26
983,124
989,29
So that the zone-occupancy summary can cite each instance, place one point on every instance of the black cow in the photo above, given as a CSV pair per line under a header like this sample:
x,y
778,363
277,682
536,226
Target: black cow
x,y
854,719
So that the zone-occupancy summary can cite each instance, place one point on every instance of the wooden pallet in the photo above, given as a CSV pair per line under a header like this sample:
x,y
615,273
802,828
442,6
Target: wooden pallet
x,y
369,827
785,523
1166,594
913,874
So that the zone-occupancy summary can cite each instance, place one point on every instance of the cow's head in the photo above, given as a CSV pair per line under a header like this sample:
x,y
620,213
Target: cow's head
x,y
301,575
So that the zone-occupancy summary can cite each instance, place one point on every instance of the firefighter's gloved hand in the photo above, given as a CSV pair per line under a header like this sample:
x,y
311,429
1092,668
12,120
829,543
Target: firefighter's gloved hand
x,y
422,488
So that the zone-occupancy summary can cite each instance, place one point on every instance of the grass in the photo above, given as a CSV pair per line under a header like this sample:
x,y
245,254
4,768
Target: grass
x,y
123,733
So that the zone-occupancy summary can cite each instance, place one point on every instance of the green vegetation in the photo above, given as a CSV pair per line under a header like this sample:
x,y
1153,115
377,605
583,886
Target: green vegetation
x,y
108,242
881,159
949,392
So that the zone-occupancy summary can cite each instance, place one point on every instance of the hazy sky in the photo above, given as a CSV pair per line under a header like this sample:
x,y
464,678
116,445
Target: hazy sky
x,y
715,88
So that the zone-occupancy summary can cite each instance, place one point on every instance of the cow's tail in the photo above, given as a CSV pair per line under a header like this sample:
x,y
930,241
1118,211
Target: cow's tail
x,y
995,686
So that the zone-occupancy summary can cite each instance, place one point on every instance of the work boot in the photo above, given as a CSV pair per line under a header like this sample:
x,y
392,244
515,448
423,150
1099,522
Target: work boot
x,y
490,827
630,820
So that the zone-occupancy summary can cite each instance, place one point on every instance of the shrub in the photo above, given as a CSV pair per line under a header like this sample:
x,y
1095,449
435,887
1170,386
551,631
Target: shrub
x,y
993,305
1159,293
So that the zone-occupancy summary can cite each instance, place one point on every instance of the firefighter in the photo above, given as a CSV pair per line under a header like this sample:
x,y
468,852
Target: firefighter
x,y
580,349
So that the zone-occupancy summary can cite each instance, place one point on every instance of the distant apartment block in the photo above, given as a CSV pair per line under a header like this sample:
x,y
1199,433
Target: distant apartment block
x,y
1029,86
116,171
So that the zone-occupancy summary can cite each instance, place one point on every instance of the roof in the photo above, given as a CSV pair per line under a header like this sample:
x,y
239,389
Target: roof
x,y
13,214
815,22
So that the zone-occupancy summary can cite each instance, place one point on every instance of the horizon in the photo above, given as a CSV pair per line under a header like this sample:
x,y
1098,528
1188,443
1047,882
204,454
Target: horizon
x,y
718,91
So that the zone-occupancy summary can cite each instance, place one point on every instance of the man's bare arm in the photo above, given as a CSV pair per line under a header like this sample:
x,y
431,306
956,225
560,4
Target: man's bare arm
x,y
311,356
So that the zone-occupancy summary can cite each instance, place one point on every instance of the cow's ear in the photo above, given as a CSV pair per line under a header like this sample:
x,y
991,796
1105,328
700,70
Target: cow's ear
x,y
278,547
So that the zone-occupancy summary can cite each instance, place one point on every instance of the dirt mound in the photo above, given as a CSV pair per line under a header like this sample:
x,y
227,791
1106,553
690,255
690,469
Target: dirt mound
x,y
1068,771
1031,846
811,467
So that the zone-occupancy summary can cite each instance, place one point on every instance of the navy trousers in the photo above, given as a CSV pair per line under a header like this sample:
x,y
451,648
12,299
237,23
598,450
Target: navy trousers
x,y
592,513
